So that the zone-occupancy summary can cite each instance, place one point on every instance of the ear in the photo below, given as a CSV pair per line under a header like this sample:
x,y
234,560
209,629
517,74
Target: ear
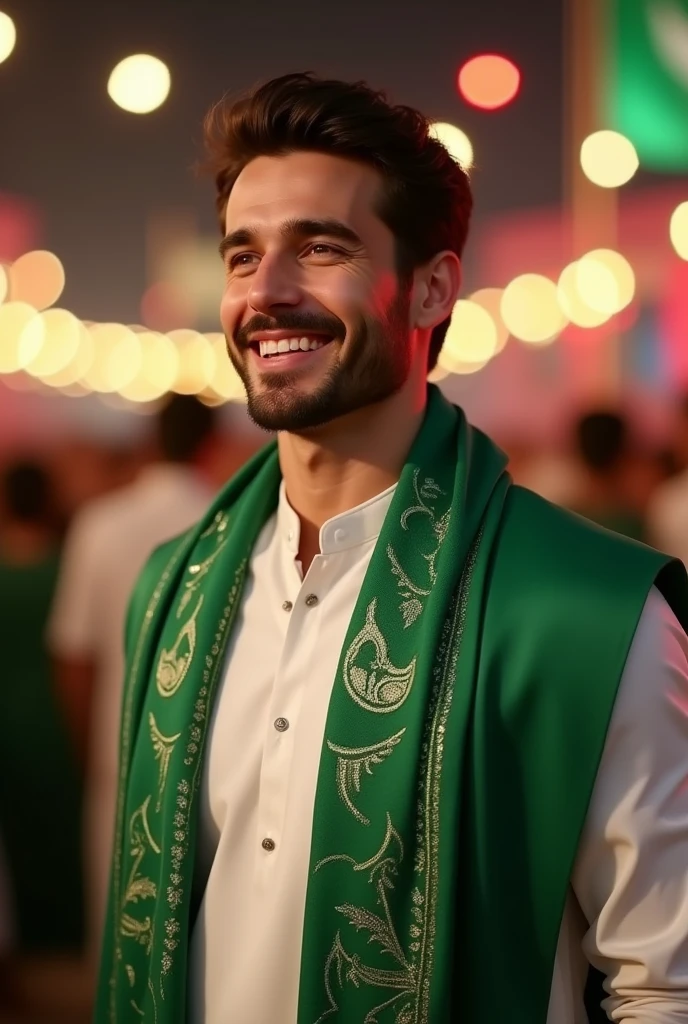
x,y
436,289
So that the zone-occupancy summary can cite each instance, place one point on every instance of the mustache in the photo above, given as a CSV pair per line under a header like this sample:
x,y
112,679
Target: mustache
x,y
316,323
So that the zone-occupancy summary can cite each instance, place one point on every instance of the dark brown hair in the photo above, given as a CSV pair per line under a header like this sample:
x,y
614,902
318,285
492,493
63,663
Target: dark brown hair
x,y
426,202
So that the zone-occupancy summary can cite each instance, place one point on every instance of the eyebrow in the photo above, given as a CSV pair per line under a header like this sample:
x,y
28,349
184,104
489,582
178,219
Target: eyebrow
x,y
296,228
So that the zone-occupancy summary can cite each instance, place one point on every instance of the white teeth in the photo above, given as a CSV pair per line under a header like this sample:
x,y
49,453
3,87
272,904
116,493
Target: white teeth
x,y
284,345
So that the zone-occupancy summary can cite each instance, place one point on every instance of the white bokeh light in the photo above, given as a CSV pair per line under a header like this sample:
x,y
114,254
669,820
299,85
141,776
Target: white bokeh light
x,y
456,141
139,84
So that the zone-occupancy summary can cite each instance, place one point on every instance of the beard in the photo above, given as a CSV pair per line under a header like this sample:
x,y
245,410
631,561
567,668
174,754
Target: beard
x,y
374,366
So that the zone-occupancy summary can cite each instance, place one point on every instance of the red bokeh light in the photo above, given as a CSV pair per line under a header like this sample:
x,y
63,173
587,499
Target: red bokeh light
x,y
489,81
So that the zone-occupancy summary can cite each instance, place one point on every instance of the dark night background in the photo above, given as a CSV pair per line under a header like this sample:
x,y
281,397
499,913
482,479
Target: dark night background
x,y
97,173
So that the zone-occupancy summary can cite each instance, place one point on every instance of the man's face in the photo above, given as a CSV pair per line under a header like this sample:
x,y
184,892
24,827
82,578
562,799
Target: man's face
x,y
316,322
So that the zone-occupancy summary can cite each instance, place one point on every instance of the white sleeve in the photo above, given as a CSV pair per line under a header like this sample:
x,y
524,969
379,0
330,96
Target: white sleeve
x,y
631,872
73,623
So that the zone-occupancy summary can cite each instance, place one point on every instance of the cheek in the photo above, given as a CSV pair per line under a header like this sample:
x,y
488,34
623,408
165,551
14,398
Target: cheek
x,y
384,292
231,306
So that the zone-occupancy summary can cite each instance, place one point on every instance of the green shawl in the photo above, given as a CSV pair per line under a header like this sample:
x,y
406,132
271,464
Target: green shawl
x,y
465,727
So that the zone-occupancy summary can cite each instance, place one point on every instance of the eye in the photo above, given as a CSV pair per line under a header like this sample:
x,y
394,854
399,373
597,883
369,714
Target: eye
x,y
241,259
322,249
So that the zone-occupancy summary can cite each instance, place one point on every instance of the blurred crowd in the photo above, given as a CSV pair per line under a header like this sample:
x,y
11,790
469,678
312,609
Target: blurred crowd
x,y
76,525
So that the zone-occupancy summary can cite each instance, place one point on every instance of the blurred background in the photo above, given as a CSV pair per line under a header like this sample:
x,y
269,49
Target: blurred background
x,y
120,414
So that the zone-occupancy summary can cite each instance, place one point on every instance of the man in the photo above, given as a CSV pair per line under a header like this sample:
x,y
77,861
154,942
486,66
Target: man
x,y
367,697
108,544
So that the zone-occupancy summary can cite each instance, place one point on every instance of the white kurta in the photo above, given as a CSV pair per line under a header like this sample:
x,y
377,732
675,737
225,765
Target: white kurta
x,y
628,906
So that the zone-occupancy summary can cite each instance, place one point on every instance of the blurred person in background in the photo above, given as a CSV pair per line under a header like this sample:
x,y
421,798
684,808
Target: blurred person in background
x,y
382,704
668,510
107,544
40,799
610,482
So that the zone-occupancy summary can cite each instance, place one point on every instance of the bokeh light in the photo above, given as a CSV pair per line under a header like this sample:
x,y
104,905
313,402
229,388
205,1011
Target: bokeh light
x,y
139,84
457,142
17,320
491,300
226,382
38,278
68,378
8,36
471,340
608,159
196,362
678,230
489,81
55,346
531,311
116,358
158,371
605,281
572,303
4,283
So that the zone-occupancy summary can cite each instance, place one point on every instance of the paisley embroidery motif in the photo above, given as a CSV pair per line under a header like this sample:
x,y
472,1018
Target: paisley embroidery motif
x,y
174,664
381,687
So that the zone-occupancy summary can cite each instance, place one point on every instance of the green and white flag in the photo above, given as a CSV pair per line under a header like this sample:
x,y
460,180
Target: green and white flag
x,y
646,95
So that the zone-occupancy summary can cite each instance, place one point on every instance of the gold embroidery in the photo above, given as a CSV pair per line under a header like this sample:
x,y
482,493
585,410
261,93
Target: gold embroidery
x,y
187,787
140,1012
139,887
390,690
173,666
454,629
163,747
197,571
383,867
131,974
412,605
352,760
141,931
125,758
218,525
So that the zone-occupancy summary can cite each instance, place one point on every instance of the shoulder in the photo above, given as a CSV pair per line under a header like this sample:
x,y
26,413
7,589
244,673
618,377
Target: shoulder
x,y
551,534
562,568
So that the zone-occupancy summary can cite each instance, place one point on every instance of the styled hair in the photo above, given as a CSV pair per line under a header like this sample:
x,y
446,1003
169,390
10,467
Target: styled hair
x,y
184,425
426,199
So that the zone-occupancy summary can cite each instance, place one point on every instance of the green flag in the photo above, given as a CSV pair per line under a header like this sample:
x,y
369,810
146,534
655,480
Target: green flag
x,y
647,79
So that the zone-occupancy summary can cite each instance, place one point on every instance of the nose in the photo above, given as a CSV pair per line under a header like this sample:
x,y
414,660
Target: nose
x,y
274,283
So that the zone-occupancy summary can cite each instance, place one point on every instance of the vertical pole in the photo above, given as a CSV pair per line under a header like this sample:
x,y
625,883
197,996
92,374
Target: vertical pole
x,y
595,363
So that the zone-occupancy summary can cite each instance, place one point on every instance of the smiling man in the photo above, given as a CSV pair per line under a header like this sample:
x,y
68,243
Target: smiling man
x,y
401,741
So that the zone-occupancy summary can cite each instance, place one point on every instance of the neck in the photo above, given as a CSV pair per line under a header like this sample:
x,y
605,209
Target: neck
x,y
346,462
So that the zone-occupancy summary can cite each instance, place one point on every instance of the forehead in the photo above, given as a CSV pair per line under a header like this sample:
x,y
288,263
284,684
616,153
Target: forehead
x,y
271,189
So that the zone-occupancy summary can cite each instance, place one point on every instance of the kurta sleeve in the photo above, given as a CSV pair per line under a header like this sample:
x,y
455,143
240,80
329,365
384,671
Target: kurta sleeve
x,y
631,872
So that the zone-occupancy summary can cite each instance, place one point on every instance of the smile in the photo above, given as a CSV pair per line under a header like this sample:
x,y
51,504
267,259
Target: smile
x,y
268,349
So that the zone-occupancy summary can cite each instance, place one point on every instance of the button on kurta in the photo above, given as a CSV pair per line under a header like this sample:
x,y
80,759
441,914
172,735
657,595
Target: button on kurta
x,y
287,606
312,600
268,845
281,724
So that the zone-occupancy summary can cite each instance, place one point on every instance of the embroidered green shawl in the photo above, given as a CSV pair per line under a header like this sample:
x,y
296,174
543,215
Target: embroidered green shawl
x,y
464,732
